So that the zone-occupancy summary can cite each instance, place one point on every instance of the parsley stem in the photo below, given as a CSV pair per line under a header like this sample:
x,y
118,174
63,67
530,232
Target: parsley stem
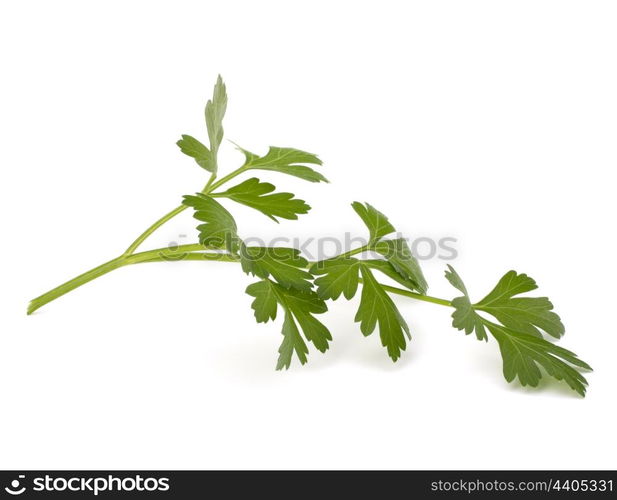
x,y
140,239
355,251
231,258
99,271
206,188
193,251
414,295
130,257
226,178
201,256
74,283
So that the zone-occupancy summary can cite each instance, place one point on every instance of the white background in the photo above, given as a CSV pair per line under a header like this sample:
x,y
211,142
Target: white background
x,y
492,122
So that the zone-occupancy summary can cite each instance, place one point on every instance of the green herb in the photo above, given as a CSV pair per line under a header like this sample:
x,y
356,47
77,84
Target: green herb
x,y
299,289
286,161
285,265
219,228
254,193
519,335
215,111
299,306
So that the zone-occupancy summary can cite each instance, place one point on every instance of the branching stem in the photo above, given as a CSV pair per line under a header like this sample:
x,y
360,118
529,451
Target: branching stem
x,y
184,252
141,238
193,251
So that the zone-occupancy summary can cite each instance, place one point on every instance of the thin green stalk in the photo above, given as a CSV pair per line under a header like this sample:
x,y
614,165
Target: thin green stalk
x,y
206,188
227,178
200,256
129,256
74,283
414,295
165,253
231,258
193,252
140,239
99,271
355,251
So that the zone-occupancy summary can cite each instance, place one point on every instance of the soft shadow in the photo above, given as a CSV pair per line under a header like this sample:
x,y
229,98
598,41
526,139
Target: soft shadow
x,y
377,356
548,386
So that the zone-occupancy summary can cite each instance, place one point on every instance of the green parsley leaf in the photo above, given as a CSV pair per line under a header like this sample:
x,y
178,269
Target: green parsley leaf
x,y
387,269
195,149
285,265
376,306
285,160
299,306
524,314
399,255
219,229
519,336
522,353
292,342
396,252
265,303
464,316
215,111
254,193
340,275
376,222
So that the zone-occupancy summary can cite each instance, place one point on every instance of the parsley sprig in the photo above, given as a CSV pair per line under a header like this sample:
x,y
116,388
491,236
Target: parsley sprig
x,y
296,290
